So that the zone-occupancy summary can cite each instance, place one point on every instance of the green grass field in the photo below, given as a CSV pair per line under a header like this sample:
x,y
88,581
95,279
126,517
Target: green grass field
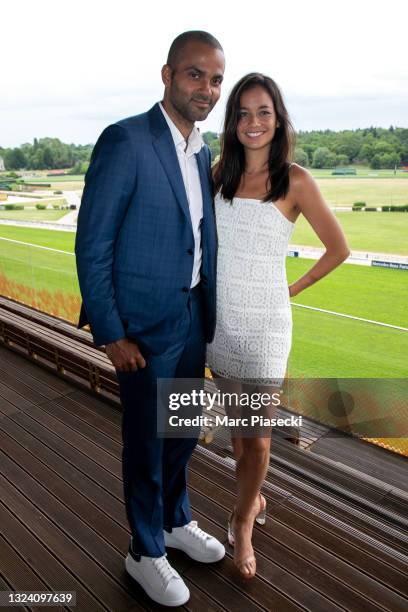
x,y
54,179
372,191
69,182
32,214
365,231
361,291
64,241
331,346
375,187
38,268
324,345
361,172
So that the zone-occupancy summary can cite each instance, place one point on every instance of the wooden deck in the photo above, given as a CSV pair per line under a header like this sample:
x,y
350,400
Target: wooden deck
x,y
332,541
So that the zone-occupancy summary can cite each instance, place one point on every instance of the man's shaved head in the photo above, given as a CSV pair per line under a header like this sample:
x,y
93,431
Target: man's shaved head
x,y
183,39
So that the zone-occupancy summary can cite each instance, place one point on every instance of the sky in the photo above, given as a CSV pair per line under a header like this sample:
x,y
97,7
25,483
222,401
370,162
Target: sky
x,y
69,69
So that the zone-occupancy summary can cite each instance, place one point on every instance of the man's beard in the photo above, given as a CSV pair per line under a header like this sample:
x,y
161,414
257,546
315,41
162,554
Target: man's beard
x,y
188,111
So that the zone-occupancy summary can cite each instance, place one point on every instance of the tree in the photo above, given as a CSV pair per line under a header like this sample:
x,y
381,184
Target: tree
x,y
376,162
342,160
321,157
48,158
331,160
14,159
215,148
301,157
366,152
389,160
208,137
382,146
37,161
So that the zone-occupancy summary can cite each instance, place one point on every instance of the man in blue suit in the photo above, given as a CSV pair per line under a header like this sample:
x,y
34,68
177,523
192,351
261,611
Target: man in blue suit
x,y
146,260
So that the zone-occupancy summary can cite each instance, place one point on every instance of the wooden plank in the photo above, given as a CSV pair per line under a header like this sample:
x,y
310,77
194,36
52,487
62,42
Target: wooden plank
x,y
44,336
46,320
273,587
29,392
21,574
373,460
90,425
78,480
78,547
312,584
11,360
4,586
82,461
226,594
381,565
200,601
98,406
328,503
326,551
299,563
79,369
79,442
307,462
62,490
394,502
14,398
15,379
53,575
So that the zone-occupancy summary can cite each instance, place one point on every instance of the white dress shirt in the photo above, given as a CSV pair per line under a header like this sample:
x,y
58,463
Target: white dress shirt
x,y
191,178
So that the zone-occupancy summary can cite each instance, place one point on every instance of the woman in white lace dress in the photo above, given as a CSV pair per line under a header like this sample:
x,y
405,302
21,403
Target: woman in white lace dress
x,y
259,195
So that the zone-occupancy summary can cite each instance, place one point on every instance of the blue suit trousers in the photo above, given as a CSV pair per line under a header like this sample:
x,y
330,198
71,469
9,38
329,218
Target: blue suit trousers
x,y
155,469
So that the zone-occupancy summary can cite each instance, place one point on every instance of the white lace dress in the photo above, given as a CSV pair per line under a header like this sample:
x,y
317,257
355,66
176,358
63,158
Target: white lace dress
x,y
253,334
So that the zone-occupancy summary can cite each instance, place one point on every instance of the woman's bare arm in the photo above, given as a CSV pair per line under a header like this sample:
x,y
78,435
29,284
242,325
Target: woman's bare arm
x,y
310,202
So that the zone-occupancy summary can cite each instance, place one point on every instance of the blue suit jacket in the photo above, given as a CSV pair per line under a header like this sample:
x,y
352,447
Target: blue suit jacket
x,y
134,243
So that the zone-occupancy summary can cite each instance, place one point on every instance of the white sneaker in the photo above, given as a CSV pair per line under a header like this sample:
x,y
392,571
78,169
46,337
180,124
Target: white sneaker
x,y
195,542
160,581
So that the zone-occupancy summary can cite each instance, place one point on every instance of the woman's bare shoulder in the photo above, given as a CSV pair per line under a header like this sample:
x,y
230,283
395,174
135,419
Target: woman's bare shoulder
x,y
300,177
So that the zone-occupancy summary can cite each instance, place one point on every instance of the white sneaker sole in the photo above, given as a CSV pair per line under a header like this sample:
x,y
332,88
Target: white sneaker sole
x,y
129,563
193,554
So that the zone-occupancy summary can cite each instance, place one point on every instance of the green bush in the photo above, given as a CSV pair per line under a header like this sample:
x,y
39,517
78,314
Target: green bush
x,y
392,208
40,206
58,192
359,205
371,208
13,207
56,206
403,208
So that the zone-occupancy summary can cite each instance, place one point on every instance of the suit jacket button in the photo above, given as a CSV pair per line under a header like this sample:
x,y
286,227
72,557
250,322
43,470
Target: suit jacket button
x,y
190,251
185,289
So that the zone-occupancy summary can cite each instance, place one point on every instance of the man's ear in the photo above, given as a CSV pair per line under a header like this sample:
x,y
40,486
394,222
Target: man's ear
x,y
166,75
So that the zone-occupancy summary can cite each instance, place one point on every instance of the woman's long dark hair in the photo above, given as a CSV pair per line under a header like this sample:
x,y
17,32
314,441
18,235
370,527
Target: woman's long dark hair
x,y
231,165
